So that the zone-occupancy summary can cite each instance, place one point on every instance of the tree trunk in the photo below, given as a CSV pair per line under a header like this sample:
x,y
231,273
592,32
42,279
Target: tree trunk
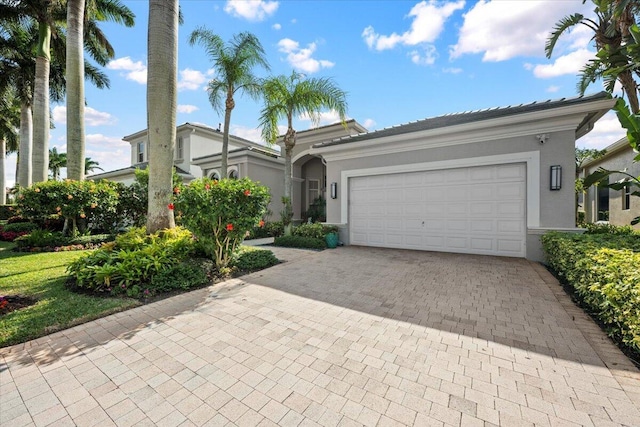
x,y
3,159
41,106
75,90
26,146
224,173
162,61
288,190
630,88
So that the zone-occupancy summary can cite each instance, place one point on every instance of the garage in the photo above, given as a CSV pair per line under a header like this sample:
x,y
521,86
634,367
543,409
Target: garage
x,y
475,210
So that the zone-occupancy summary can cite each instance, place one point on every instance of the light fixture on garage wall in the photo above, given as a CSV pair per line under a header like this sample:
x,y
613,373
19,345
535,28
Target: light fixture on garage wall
x,y
556,178
334,190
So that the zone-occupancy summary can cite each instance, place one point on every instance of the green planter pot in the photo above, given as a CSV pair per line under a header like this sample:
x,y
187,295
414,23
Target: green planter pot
x,y
332,240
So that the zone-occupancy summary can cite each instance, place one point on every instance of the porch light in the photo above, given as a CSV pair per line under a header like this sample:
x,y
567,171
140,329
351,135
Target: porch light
x,y
556,178
334,190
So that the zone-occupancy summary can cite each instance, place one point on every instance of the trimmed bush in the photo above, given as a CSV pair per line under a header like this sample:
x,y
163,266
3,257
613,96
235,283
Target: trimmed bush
x,y
250,258
183,276
7,211
316,231
604,272
19,227
609,229
300,242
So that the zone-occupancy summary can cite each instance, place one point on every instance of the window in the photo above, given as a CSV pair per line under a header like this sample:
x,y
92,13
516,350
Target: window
x,y
233,174
141,156
602,202
626,197
214,175
180,148
313,190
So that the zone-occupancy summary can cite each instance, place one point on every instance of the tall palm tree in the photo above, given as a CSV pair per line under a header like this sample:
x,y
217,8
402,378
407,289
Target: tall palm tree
x,y
9,124
287,97
57,161
162,84
610,35
233,64
89,165
90,12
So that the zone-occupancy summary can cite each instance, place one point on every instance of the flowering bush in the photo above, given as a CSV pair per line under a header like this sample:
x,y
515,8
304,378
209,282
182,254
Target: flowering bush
x,y
221,213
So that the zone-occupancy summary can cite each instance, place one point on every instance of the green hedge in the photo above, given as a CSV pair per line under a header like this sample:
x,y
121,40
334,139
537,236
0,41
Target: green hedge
x,y
250,258
7,211
300,242
604,272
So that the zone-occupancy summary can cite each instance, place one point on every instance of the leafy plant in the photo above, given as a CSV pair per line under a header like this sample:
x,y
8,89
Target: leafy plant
x,y
300,242
19,227
42,238
250,258
317,211
221,213
609,229
184,275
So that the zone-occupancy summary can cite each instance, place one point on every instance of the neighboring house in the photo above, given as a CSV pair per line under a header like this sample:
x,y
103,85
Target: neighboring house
x,y
604,204
476,182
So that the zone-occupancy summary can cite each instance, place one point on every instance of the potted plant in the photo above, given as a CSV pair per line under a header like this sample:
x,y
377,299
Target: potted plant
x,y
331,236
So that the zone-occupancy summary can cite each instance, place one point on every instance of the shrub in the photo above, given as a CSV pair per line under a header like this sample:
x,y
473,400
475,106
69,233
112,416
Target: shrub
x,y
10,236
6,211
220,213
128,265
604,272
251,258
17,218
300,242
317,210
184,275
42,238
317,230
19,227
275,228
609,229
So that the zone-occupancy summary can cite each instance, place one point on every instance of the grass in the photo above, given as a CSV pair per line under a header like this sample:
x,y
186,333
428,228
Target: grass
x,y
42,276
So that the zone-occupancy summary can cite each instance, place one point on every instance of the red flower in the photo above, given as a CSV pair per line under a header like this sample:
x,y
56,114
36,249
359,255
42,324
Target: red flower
x,y
261,224
176,190
170,206
207,187
247,192
229,227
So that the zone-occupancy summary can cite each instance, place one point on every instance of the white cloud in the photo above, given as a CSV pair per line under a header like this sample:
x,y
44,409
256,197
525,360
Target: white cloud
x,y
135,71
571,63
552,89
252,134
426,57
191,79
100,140
276,27
428,23
501,30
369,123
92,117
452,70
300,58
326,118
251,10
606,131
186,108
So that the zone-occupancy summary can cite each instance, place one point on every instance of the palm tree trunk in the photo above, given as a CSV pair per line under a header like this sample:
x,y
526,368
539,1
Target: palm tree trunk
x,y
630,88
3,159
26,145
75,90
161,109
41,106
287,188
224,173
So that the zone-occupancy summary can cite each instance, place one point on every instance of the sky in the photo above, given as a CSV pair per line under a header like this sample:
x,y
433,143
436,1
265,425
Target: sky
x,y
398,61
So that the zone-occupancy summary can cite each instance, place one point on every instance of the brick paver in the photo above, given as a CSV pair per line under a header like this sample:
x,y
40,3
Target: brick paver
x,y
352,336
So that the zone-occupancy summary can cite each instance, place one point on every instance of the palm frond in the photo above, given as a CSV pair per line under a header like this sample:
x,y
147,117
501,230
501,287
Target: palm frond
x,y
563,25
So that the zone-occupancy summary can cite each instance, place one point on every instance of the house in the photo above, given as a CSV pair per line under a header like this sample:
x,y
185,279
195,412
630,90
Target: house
x,y
483,182
604,204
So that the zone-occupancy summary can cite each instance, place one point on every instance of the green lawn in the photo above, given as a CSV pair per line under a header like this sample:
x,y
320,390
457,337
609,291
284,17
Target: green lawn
x,y
42,276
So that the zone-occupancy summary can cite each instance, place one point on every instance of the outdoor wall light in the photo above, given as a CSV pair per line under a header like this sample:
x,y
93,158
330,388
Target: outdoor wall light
x,y
556,178
334,190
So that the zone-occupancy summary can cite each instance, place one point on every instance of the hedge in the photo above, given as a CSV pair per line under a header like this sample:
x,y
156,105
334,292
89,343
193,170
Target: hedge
x,y
604,272
7,211
299,242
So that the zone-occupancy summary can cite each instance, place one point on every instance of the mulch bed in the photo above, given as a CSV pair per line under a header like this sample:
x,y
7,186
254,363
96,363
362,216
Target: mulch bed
x,y
9,303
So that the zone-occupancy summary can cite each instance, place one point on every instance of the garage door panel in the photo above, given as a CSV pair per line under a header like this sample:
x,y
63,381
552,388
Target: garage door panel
x,y
470,210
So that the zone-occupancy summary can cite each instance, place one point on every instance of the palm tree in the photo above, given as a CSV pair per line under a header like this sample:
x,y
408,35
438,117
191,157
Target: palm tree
x,y
89,165
233,64
162,83
286,97
611,35
57,161
79,13
9,124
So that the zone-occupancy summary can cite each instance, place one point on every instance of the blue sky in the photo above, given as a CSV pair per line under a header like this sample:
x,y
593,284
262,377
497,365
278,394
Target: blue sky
x,y
399,61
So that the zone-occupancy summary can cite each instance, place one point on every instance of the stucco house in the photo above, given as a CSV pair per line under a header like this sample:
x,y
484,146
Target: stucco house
x,y
483,182
604,204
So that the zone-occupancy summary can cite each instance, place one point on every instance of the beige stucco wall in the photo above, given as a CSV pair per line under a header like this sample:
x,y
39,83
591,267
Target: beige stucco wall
x,y
556,208
615,161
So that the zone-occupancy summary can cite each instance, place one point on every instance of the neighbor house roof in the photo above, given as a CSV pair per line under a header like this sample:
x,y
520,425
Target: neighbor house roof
x,y
454,119
130,169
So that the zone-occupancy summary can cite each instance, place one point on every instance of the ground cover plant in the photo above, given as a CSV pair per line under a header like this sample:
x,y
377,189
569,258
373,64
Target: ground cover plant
x,y
602,270
42,276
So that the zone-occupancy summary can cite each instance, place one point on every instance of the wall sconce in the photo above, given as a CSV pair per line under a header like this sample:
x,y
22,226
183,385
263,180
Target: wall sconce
x,y
556,178
334,190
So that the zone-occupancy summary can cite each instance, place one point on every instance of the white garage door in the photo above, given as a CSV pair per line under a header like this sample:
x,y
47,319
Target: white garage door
x,y
478,210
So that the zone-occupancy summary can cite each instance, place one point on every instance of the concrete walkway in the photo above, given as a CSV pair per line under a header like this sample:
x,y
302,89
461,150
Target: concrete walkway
x,y
351,336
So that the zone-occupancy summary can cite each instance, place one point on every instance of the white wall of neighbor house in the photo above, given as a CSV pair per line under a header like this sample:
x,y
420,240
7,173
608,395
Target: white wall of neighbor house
x,y
555,208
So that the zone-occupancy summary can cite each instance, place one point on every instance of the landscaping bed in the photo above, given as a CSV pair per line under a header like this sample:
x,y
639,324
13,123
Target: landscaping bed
x,y
601,271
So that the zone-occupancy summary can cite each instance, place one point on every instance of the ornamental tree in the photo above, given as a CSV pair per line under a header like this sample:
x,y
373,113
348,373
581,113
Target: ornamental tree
x,y
220,213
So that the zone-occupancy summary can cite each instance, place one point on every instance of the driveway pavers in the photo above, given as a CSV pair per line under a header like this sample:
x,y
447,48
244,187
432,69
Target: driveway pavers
x,y
352,336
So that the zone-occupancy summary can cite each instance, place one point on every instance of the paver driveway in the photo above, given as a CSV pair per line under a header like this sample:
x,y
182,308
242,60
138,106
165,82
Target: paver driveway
x,y
349,336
